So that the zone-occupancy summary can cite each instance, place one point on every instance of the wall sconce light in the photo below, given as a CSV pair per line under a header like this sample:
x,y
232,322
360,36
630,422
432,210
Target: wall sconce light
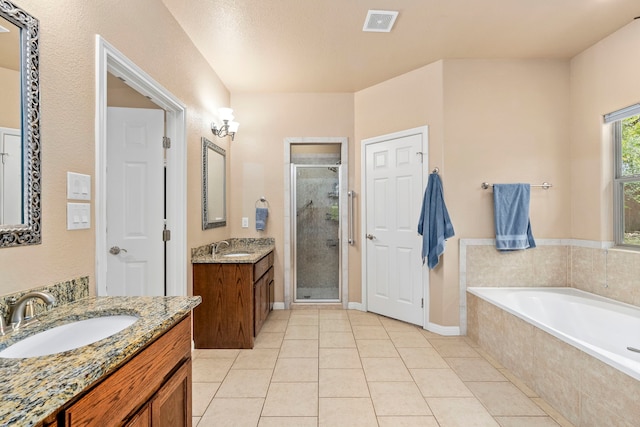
x,y
229,127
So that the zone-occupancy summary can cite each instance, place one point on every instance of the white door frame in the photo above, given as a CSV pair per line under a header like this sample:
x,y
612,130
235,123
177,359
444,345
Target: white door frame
x,y
424,132
109,59
344,232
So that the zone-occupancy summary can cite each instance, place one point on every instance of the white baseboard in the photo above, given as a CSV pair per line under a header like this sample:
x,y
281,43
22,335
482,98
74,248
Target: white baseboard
x,y
449,331
278,306
356,306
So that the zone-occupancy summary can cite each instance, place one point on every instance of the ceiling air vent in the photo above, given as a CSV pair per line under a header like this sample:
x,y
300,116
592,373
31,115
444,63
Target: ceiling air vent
x,y
380,21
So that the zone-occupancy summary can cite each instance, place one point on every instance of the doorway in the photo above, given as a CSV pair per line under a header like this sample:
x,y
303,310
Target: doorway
x,y
110,61
394,173
316,232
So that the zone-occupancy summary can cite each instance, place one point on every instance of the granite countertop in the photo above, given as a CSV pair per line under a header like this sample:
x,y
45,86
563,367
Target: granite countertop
x,y
33,388
254,248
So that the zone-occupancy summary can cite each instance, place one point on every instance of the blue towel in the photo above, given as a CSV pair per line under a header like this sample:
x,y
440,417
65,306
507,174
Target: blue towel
x,y
511,209
434,225
261,218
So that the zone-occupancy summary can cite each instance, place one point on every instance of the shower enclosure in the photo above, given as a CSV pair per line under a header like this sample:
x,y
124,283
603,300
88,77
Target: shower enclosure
x,y
316,232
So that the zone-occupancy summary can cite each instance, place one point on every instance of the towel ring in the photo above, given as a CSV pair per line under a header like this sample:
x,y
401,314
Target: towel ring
x,y
262,202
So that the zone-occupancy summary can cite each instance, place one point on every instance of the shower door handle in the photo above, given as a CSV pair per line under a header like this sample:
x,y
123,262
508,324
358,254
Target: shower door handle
x,y
352,195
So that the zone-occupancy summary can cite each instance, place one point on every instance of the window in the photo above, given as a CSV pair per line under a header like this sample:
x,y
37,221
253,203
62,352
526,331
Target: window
x,y
626,140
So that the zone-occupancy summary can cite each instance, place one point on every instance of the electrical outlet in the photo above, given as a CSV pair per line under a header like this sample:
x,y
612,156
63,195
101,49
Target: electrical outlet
x,y
245,222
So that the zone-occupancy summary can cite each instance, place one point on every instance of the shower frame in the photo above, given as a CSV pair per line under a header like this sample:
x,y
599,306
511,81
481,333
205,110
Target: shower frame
x,y
288,223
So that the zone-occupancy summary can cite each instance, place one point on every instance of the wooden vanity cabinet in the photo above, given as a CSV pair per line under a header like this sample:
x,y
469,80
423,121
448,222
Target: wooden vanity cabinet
x,y
153,389
236,300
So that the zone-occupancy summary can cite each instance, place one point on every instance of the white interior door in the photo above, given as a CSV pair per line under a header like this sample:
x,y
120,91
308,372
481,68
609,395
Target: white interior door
x,y
393,198
135,202
11,187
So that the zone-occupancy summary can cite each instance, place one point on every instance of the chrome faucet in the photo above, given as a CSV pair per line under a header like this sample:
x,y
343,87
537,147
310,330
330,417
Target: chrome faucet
x,y
216,246
17,308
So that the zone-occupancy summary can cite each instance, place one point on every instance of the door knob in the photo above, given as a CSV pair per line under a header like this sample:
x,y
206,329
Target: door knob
x,y
116,250
370,236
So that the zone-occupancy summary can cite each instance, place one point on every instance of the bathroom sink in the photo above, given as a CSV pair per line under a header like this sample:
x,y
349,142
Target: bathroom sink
x,y
68,337
236,254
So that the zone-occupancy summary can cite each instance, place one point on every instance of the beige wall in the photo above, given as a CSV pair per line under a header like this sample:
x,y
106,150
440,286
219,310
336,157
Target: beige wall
x,y
257,155
148,35
604,78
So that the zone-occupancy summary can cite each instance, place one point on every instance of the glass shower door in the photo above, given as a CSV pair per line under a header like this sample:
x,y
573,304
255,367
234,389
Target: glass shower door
x,y
317,230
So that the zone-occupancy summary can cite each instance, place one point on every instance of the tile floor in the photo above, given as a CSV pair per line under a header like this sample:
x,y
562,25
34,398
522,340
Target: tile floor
x,y
349,368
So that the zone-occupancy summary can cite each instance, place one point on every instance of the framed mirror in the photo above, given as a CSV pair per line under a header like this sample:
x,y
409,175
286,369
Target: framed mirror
x,y
214,206
20,206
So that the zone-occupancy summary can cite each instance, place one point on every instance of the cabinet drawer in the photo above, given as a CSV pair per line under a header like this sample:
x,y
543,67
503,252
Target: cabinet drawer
x,y
261,267
115,398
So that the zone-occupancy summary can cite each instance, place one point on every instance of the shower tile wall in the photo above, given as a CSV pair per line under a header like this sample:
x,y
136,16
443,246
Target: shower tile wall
x,y
317,244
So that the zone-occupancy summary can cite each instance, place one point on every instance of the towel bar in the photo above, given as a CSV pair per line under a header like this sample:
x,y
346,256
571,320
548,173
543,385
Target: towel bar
x,y
544,185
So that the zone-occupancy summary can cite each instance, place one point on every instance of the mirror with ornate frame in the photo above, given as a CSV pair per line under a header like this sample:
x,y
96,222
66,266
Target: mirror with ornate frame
x,y
20,181
214,206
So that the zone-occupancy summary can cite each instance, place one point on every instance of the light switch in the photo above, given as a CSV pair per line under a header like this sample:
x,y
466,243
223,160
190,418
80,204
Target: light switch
x,y
78,216
78,186
245,222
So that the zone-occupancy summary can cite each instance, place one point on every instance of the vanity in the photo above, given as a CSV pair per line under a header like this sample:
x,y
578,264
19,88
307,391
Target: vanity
x,y
140,376
237,289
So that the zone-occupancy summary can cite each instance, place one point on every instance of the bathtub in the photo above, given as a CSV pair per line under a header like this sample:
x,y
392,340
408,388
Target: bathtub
x,y
601,327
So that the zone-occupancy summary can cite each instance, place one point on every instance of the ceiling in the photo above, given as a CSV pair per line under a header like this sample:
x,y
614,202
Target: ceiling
x,y
319,45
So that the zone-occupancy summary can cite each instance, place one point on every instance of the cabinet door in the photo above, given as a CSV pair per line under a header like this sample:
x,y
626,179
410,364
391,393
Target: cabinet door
x,y
257,306
171,406
141,419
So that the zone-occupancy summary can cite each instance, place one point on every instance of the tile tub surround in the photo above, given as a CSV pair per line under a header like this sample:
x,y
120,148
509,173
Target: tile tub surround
x,y
35,388
64,293
257,248
585,390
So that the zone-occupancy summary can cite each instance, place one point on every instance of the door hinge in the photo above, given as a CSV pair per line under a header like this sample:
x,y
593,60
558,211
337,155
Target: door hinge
x,y
166,142
166,235
422,303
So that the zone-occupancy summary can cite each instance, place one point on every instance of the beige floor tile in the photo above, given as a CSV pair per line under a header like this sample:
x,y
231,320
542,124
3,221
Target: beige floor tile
x,y
280,315
343,383
257,358
376,348
460,412
274,325
385,369
526,422
337,340
245,383
291,400
269,340
210,370
308,320
503,398
301,332
397,398
407,421
288,422
296,370
335,325
425,358
369,332
489,358
397,325
453,347
195,421
518,383
305,311
206,353
474,369
333,314
557,417
440,383
225,412
408,339
339,358
202,393
364,319
346,412
299,348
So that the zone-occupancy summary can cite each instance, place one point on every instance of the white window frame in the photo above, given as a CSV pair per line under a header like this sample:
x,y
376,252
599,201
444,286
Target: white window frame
x,y
615,119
